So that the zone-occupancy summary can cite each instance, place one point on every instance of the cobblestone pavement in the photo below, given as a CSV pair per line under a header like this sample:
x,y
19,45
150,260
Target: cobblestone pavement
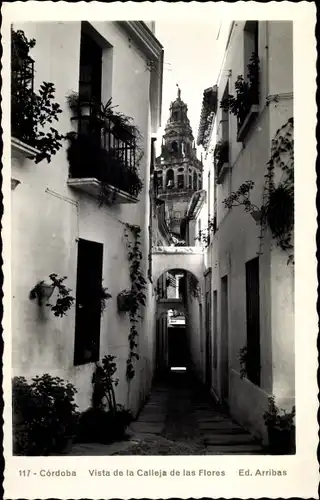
x,y
180,419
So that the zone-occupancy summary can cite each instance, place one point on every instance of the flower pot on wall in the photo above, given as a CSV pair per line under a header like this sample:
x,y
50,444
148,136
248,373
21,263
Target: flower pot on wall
x,y
124,301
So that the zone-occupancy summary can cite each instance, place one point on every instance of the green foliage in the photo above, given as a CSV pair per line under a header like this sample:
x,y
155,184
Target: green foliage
x,y
137,295
44,413
279,418
277,209
204,235
246,92
105,421
243,358
221,154
64,300
103,384
104,297
31,112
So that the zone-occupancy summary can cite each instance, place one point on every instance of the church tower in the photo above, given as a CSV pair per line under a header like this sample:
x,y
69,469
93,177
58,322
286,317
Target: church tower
x,y
178,170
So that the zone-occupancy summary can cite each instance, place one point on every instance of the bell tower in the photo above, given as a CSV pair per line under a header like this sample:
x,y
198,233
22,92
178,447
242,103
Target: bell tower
x,y
178,170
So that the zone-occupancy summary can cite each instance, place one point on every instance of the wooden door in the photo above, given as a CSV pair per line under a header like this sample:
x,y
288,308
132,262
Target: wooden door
x,y
88,302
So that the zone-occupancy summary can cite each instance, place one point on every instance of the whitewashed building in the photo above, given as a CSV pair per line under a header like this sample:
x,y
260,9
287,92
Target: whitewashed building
x,y
60,226
249,330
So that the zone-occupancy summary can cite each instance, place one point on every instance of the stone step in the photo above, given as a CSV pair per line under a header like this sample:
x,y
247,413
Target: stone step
x,y
246,449
229,439
147,427
224,430
152,418
215,425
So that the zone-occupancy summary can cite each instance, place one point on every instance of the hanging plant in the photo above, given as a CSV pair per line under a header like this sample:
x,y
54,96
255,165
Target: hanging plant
x,y
136,297
43,290
277,209
243,358
104,297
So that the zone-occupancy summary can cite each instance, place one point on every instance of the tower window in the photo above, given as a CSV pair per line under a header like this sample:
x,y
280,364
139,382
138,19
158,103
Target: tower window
x,y
190,181
174,146
159,179
195,184
175,116
180,181
170,178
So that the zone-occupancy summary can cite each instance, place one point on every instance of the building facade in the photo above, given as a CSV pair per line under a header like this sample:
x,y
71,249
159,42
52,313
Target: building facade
x,y
247,136
73,215
179,171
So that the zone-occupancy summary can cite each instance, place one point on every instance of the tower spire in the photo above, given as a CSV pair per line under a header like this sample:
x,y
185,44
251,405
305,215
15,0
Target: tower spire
x,y
179,92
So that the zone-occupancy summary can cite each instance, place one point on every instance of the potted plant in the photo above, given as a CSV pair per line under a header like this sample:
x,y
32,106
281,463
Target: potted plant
x,y
281,429
44,415
124,301
105,421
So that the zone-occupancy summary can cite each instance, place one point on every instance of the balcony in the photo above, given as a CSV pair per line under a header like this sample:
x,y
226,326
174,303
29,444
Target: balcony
x,y
244,125
101,163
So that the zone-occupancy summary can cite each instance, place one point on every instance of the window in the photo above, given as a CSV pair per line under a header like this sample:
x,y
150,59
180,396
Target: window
x,y
170,178
190,181
159,179
175,116
250,42
195,183
90,68
174,146
88,302
180,179
225,118
253,320
200,182
153,154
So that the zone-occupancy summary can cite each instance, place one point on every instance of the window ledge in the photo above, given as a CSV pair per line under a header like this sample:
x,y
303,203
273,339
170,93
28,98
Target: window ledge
x,y
92,186
254,110
22,149
223,170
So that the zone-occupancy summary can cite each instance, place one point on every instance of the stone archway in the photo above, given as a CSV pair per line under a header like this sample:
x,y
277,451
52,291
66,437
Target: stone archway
x,y
189,259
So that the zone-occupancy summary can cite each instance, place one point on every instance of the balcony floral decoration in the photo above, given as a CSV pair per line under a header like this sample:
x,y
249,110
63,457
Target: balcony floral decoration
x,y
32,113
220,157
104,149
277,208
204,235
246,95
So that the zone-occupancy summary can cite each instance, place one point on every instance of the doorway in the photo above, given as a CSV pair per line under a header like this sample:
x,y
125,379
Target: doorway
x,y
224,340
208,330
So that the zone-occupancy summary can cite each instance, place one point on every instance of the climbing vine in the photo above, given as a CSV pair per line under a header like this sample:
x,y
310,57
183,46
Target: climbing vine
x,y
137,294
204,234
277,208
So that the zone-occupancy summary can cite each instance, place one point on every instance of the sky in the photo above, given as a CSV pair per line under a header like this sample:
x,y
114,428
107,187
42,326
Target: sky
x,y
192,58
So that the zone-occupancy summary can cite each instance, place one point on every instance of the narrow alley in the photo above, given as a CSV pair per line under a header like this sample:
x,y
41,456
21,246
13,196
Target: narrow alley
x,y
180,419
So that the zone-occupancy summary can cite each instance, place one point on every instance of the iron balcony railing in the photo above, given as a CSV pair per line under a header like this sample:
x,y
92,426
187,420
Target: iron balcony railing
x,y
22,98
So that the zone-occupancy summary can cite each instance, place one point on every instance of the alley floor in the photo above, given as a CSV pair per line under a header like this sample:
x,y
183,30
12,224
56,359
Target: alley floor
x,y
180,419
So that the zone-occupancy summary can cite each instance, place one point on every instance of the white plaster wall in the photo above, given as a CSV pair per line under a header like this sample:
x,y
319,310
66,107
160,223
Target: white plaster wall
x,y
237,238
45,226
